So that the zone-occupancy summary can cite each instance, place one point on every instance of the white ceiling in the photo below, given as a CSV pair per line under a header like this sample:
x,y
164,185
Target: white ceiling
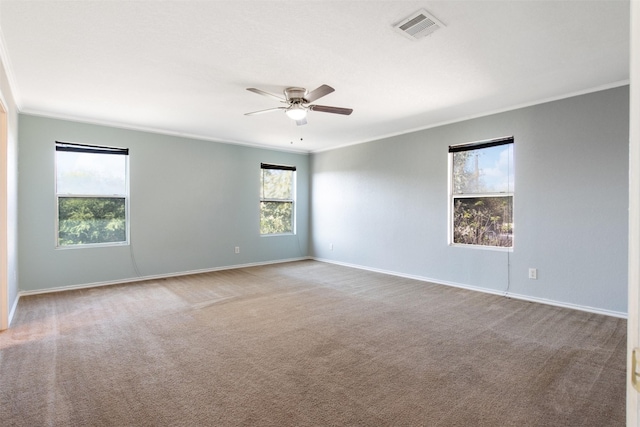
x,y
182,67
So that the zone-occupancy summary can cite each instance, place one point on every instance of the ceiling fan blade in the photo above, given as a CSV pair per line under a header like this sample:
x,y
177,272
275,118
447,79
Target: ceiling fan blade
x,y
334,110
301,122
261,92
265,111
318,93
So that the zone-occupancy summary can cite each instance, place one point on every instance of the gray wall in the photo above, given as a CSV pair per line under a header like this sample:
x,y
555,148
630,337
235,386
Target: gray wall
x,y
383,204
191,203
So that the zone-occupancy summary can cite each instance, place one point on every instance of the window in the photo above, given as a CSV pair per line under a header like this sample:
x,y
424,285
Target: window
x,y
277,189
92,194
481,196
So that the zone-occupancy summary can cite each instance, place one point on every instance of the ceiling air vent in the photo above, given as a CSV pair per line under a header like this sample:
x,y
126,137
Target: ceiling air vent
x,y
418,25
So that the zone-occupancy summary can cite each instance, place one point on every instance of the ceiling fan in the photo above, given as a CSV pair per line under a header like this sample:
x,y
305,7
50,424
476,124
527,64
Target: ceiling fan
x,y
299,101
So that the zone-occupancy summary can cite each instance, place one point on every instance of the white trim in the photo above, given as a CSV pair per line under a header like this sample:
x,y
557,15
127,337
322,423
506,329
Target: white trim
x,y
156,277
4,216
476,116
578,307
483,247
88,245
13,309
8,69
328,261
633,254
149,129
480,289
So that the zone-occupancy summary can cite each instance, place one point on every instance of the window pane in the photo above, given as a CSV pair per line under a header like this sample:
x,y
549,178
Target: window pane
x,y
483,221
487,170
90,173
276,217
85,220
276,184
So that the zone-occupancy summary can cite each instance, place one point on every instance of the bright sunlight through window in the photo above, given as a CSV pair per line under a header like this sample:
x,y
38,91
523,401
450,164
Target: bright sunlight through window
x,y
277,190
482,193
92,194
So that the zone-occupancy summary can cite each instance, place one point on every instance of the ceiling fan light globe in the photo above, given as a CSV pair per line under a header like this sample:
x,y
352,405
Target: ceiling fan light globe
x,y
296,113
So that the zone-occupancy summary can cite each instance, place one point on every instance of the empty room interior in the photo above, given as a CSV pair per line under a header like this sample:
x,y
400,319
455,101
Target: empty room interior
x,y
280,213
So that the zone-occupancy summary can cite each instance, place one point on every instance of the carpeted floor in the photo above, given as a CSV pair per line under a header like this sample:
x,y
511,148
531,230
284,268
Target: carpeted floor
x,y
306,344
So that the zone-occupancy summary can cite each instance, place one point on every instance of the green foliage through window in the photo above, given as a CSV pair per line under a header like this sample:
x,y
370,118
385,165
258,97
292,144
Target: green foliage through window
x,y
276,199
90,220
276,217
483,221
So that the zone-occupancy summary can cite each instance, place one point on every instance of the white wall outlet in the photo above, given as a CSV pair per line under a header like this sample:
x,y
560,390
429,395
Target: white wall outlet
x,y
533,273
331,247
237,249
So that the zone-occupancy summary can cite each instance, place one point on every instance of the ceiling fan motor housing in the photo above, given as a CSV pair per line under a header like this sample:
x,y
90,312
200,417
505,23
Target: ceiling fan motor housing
x,y
295,94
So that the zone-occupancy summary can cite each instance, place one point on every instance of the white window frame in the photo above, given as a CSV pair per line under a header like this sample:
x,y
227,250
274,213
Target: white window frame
x,y
292,200
509,140
96,149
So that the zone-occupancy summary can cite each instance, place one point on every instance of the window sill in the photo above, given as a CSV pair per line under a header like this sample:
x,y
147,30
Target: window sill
x,y
92,245
482,247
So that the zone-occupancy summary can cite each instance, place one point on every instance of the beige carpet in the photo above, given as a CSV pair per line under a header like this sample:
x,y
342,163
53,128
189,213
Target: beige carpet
x,y
306,344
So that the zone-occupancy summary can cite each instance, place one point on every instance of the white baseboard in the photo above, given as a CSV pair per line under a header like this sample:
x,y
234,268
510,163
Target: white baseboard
x,y
528,298
579,307
152,277
375,270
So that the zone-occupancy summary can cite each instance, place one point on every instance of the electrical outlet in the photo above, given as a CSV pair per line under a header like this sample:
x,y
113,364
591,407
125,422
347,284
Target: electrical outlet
x,y
533,273
331,247
237,249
